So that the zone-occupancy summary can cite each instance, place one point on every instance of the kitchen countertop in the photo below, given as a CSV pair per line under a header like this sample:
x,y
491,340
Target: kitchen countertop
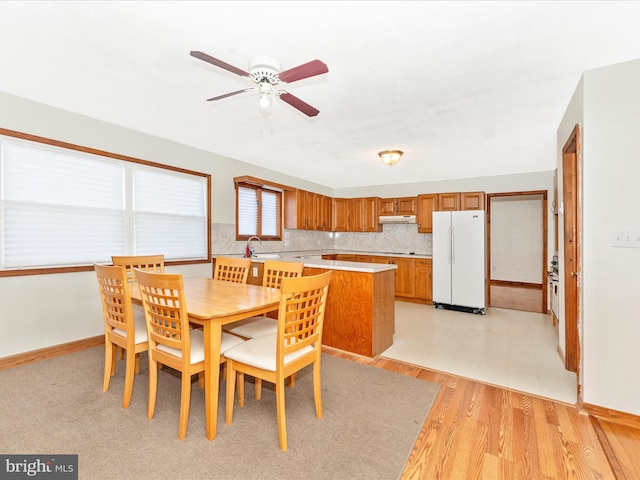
x,y
313,259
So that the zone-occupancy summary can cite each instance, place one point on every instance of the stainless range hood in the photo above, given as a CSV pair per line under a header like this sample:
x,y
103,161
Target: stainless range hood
x,y
397,219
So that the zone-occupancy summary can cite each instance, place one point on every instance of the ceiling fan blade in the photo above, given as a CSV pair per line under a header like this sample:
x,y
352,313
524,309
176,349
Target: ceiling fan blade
x,y
295,102
220,97
218,63
310,69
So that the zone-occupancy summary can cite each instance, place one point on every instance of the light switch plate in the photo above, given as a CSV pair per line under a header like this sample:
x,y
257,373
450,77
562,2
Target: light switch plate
x,y
625,238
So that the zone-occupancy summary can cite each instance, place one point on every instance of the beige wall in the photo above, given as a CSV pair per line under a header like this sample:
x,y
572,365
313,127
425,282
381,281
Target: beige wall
x,y
607,105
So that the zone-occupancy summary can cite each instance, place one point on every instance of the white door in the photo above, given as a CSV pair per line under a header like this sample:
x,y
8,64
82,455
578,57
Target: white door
x,y
441,257
468,258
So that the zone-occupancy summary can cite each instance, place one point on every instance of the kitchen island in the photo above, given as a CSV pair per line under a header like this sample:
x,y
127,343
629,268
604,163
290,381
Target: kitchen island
x,y
360,312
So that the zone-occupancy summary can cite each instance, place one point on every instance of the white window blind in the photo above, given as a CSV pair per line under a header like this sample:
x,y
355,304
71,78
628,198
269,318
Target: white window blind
x,y
60,207
170,214
259,212
247,211
269,214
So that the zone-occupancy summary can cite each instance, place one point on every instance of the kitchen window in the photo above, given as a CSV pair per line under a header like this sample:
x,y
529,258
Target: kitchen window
x,y
258,212
63,207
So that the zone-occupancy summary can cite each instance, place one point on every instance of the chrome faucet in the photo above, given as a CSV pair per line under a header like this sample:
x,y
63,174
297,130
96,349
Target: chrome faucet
x,y
249,252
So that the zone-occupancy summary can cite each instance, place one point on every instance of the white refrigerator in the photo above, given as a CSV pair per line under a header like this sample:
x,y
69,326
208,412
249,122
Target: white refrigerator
x,y
460,260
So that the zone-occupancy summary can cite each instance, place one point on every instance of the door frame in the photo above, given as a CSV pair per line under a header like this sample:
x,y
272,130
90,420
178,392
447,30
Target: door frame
x,y
572,244
543,267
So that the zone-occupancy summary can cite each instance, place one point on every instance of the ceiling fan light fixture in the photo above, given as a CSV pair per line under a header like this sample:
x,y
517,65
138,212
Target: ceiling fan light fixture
x,y
265,100
390,157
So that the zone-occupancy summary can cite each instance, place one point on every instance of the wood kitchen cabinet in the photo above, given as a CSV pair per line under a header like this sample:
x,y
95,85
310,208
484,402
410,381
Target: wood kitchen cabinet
x,y
363,215
424,279
307,210
405,277
448,201
398,206
427,204
472,201
460,201
340,208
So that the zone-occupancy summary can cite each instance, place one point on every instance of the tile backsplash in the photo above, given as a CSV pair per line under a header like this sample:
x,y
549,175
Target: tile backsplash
x,y
394,238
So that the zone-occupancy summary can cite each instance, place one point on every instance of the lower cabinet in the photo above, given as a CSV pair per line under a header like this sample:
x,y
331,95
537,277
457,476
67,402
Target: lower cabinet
x,y
413,277
424,280
405,277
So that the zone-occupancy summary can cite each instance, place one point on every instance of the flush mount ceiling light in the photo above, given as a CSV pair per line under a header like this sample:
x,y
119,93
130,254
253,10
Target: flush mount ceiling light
x,y
390,157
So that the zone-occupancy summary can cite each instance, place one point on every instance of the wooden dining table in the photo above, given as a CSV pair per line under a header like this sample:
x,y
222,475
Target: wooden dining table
x,y
212,304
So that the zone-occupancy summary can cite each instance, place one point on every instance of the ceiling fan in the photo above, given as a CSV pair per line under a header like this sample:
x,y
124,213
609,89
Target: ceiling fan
x,y
266,72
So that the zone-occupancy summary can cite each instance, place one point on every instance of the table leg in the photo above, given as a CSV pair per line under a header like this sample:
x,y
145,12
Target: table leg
x,y
212,338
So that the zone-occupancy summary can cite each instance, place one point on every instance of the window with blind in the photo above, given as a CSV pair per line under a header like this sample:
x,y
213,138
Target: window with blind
x,y
61,207
258,212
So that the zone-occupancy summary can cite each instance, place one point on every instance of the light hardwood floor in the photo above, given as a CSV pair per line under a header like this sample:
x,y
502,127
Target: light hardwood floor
x,y
480,431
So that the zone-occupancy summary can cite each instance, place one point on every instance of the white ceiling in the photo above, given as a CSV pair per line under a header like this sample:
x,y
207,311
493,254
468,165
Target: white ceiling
x,y
466,89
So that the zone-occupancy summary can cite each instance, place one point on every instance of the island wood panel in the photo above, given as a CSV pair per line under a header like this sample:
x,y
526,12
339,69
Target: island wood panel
x,y
360,312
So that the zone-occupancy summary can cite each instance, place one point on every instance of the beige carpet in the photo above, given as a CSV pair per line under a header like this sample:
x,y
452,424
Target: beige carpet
x,y
371,420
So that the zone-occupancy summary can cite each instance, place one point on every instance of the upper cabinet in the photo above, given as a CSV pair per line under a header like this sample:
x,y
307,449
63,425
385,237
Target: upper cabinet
x,y
340,208
307,210
472,201
427,204
312,211
460,201
448,201
398,206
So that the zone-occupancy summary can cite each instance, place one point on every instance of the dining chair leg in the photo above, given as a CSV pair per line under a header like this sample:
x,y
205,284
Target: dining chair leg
x,y
280,413
292,380
240,382
128,378
109,363
231,387
114,358
185,400
317,388
153,387
137,363
258,388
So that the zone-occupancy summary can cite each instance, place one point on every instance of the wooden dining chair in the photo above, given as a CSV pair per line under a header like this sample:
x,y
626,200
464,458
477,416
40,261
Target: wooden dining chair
x,y
231,269
148,263
297,343
121,328
274,272
172,342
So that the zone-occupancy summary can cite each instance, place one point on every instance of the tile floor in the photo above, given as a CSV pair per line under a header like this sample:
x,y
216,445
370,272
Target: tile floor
x,y
508,348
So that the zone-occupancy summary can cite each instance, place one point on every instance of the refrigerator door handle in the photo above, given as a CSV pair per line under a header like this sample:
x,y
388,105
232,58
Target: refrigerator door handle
x,y
449,245
453,249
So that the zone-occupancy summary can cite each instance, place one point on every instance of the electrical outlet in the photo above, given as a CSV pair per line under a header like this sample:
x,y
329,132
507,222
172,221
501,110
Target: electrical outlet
x,y
255,271
625,238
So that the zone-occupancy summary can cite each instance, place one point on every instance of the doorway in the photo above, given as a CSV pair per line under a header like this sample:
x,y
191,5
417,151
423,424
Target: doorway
x,y
517,250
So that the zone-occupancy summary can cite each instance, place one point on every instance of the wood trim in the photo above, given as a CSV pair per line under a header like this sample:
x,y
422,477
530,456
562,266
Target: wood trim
x,y
611,415
262,183
84,268
50,352
545,233
510,283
